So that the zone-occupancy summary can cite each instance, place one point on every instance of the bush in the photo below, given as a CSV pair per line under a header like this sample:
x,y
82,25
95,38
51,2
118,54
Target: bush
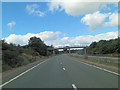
x,y
19,60
9,57
104,47
5,67
16,55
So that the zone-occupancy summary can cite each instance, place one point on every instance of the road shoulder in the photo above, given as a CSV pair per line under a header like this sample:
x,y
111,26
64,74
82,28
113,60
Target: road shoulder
x,y
111,68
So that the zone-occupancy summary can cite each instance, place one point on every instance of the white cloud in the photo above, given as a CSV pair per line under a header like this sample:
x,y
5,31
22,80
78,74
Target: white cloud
x,y
78,7
34,9
52,38
97,19
11,24
74,8
85,40
113,20
23,39
94,20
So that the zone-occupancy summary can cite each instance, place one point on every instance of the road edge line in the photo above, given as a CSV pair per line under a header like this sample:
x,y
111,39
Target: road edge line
x,y
99,68
20,75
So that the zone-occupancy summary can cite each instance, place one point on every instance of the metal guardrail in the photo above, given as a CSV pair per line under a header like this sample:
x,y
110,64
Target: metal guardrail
x,y
108,59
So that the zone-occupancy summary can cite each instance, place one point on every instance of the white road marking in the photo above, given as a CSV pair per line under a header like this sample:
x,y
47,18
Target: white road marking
x,y
63,68
60,63
73,85
100,68
20,75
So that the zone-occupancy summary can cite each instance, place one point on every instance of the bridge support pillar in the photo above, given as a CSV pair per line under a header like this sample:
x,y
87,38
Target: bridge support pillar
x,y
53,52
85,53
69,51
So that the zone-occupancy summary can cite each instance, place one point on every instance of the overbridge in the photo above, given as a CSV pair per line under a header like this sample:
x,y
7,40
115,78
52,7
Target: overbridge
x,y
68,48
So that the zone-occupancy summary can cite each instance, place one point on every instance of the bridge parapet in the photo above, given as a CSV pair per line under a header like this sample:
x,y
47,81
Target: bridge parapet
x,y
70,47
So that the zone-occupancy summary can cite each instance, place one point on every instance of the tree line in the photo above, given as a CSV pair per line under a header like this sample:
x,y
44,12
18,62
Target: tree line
x,y
16,55
111,46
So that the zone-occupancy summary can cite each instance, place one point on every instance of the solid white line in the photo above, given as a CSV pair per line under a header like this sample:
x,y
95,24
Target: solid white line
x,y
73,85
20,75
100,68
63,68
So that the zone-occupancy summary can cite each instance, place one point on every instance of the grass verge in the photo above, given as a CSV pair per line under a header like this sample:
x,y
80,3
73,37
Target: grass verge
x,y
15,71
104,64
106,55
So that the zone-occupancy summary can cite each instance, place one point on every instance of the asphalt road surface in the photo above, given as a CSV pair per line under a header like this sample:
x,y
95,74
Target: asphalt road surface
x,y
64,72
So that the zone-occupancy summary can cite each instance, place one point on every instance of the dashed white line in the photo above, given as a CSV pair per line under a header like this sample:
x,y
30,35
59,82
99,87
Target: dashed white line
x,y
20,75
63,68
100,68
74,87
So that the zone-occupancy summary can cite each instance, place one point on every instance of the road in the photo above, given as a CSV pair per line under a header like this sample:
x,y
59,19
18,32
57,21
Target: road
x,y
64,72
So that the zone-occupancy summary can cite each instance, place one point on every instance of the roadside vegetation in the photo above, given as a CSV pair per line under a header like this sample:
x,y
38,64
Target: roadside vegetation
x,y
107,48
110,48
104,64
15,55
104,48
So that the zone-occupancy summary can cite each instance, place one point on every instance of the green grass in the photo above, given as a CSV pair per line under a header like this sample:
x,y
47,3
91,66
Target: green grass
x,y
104,62
5,67
106,55
27,60
108,65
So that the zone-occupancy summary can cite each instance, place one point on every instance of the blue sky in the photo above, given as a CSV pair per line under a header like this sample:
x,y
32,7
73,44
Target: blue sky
x,y
17,19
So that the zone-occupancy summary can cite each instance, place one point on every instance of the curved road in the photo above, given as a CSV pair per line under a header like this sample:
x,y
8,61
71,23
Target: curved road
x,y
63,72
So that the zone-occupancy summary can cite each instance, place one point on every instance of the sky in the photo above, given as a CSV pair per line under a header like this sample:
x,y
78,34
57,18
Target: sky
x,y
59,23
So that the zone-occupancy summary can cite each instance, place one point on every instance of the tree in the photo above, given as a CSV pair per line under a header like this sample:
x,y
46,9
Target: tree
x,y
38,45
105,47
5,46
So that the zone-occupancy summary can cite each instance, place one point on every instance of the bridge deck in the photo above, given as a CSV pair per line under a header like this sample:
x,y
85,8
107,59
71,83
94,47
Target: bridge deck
x,y
68,47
